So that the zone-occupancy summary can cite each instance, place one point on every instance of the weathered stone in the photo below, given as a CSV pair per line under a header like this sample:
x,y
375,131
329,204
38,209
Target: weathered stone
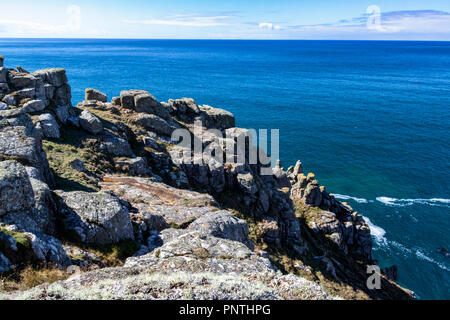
x,y
217,118
62,113
222,224
16,192
3,106
63,95
90,123
34,106
48,249
178,207
154,123
117,146
19,80
133,166
20,140
49,91
49,126
94,94
78,165
145,102
127,98
55,76
95,217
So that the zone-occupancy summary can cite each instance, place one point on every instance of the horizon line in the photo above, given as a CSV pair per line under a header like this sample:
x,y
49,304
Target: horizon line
x,y
217,39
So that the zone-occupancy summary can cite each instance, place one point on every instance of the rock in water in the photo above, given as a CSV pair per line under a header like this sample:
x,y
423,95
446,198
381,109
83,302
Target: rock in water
x,y
90,123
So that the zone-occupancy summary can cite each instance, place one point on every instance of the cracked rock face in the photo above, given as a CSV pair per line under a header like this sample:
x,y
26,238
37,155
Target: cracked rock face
x,y
177,207
20,140
95,217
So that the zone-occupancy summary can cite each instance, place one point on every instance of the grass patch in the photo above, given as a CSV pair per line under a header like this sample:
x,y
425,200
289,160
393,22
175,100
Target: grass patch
x,y
29,277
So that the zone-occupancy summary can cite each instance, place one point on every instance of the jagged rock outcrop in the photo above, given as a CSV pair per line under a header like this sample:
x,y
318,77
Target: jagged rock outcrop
x,y
146,201
21,141
336,220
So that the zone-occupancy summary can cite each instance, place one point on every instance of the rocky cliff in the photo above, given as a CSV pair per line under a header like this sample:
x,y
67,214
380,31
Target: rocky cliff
x,y
81,184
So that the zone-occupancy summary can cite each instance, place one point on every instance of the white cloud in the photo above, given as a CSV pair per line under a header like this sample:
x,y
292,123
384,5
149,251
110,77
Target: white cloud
x,y
269,26
72,24
185,20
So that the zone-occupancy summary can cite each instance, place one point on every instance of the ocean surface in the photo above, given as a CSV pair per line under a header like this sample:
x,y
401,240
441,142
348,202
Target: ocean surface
x,y
370,119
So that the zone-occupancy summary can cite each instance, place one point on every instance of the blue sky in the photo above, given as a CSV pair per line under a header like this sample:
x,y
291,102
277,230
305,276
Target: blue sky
x,y
231,19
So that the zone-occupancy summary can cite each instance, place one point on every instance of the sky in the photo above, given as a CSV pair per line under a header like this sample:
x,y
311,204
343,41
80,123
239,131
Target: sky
x,y
230,19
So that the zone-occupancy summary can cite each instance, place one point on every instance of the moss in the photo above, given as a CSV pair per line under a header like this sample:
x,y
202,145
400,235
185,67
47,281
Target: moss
x,y
20,237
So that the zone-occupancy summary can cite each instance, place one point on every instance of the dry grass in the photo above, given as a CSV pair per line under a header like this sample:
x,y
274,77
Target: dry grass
x,y
30,277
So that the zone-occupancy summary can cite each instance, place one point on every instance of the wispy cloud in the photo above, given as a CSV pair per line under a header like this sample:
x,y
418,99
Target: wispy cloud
x,y
269,26
411,21
187,20
72,24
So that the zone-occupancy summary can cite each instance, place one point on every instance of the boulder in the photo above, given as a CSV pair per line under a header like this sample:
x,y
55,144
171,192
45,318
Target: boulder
x,y
95,217
20,140
127,98
217,118
94,94
222,224
145,102
62,113
154,123
16,192
117,147
19,80
133,166
34,106
55,76
26,202
90,123
49,126
78,165
3,106
48,249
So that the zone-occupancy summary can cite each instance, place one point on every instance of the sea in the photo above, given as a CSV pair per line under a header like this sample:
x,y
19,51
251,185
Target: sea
x,y
371,119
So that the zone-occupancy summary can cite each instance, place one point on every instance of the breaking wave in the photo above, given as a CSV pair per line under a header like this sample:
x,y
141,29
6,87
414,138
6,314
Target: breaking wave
x,y
376,231
409,202
345,197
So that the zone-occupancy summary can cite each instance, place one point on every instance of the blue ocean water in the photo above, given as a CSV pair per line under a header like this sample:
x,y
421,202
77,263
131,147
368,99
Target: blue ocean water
x,y
370,119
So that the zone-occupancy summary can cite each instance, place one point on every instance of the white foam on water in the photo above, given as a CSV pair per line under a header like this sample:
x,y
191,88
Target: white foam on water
x,y
409,202
377,232
422,256
345,197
